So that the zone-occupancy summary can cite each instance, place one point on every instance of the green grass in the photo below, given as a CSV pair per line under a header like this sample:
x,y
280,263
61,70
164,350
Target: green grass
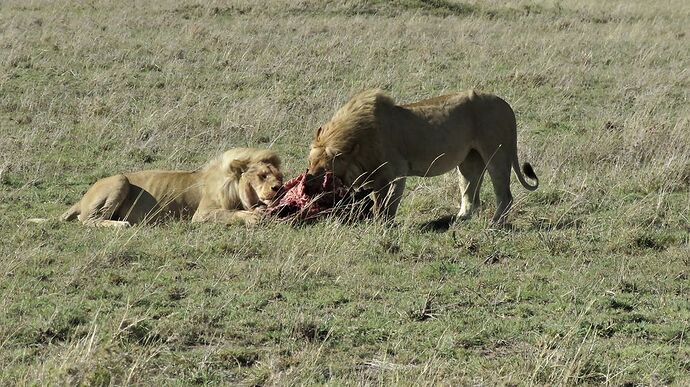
x,y
589,286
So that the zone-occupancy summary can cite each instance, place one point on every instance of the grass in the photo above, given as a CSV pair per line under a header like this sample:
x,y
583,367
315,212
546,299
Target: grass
x,y
590,285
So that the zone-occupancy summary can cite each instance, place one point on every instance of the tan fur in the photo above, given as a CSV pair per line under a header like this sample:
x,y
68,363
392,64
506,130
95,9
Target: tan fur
x,y
233,188
372,143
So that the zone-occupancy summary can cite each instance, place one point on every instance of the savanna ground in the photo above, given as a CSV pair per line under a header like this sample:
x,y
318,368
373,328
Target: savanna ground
x,y
590,285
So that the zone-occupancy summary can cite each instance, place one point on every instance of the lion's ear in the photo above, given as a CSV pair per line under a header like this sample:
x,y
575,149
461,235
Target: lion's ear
x,y
318,132
238,167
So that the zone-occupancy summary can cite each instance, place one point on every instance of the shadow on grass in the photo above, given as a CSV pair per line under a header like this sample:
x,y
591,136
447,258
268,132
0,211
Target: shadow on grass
x,y
444,223
441,224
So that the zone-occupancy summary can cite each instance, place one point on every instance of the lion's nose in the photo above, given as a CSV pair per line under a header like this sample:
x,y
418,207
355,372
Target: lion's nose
x,y
315,169
315,173
275,188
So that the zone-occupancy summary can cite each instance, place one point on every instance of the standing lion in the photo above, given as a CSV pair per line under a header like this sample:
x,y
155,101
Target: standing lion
x,y
234,188
373,144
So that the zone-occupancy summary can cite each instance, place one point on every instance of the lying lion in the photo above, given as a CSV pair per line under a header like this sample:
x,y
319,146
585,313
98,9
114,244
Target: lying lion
x,y
372,143
234,188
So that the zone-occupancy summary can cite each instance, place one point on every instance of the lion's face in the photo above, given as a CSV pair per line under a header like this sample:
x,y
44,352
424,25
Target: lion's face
x,y
265,179
326,159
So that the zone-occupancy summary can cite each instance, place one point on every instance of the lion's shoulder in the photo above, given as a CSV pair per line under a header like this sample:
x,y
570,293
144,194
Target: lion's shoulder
x,y
363,105
446,99
358,117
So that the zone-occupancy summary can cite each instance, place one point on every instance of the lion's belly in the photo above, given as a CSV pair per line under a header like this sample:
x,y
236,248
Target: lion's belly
x,y
441,152
435,163
436,140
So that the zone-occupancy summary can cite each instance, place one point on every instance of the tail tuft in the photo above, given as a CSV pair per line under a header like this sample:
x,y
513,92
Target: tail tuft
x,y
529,171
37,220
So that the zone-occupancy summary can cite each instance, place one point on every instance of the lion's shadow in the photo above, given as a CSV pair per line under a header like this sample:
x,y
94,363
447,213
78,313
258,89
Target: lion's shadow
x,y
444,223
439,225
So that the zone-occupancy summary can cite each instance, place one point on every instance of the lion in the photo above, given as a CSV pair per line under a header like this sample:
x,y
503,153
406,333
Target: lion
x,y
371,143
231,189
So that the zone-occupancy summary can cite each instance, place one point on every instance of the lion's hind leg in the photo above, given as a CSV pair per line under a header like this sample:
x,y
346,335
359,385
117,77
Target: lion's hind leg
x,y
500,169
471,172
102,200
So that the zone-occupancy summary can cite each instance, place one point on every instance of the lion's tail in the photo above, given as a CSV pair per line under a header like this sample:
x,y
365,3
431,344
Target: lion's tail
x,y
72,213
528,171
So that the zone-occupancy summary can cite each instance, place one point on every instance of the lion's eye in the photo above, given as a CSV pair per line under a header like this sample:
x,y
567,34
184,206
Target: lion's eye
x,y
262,177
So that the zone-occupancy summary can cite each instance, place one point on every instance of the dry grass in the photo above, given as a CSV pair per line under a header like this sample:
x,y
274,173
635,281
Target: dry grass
x,y
590,286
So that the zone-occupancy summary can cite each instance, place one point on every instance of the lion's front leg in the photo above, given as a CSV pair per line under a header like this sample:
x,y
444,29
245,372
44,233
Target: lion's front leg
x,y
229,217
387,199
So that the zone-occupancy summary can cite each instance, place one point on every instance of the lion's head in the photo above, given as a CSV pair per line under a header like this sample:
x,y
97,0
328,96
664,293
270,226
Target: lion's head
x,y
261,179
251,175
324,159
349,145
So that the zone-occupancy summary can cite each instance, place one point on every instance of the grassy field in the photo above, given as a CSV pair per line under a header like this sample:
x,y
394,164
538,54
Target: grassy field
x,y
590,285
